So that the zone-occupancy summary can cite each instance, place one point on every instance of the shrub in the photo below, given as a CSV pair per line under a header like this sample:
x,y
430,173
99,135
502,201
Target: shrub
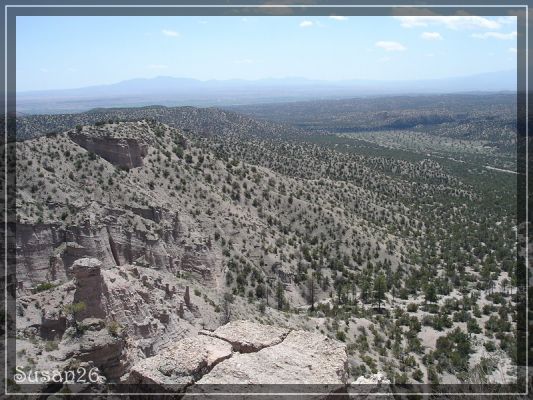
x,y
433,376
418,375
75,307
51,345
489,346
453,351
341,335
400,379
473,326
370,362
114,328
44,286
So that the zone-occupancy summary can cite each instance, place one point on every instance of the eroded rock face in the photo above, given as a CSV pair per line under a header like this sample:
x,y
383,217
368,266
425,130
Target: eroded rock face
x,y
47,252
274,356
181,364
146,309
124,152
35,244
247,337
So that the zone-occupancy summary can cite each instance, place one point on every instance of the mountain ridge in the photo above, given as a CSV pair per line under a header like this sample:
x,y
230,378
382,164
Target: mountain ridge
x,y
176,91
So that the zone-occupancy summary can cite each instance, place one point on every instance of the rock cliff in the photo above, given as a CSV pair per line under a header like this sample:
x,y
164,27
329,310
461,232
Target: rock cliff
x,y
122,152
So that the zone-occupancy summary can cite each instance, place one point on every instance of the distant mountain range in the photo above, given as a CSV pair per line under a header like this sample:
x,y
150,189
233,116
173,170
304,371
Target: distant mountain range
x,y
171,91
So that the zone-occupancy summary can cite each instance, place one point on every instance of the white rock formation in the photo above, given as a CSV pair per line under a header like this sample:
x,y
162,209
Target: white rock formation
x,y
374,379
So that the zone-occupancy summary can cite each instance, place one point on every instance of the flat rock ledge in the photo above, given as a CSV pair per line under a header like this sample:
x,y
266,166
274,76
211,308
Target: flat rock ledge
x,y
245,353
249,337
302,358
181,364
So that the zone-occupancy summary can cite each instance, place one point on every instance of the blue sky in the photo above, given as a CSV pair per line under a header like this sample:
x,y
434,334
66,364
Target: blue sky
x,y
69,52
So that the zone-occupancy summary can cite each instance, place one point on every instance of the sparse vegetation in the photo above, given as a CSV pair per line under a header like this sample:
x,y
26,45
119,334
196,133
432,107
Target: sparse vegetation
x,y
404,254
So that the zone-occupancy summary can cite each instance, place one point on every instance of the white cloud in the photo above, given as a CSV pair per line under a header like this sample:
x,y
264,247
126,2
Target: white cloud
x,y
507,20
495,35
452,21
168,32
390,46
157,66
306,24
431,36
338,17
512,50
244,61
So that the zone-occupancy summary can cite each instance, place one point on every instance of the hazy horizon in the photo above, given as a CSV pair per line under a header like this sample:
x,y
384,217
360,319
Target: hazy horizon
x,y
291,79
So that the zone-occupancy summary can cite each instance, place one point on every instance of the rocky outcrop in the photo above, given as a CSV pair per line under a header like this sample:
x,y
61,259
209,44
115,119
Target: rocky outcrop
x,y
284,273
146,302
271,356
109,317
122,152
197,260
89,288
53,324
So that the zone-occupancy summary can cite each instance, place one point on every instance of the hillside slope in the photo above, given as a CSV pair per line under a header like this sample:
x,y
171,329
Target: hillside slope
x,y
185,231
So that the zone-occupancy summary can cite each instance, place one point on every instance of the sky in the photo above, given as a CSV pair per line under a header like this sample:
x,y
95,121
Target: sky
x,y
71,52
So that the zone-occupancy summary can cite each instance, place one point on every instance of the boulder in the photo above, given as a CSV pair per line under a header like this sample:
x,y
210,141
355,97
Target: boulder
x,y
371,385
374,379
85,268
